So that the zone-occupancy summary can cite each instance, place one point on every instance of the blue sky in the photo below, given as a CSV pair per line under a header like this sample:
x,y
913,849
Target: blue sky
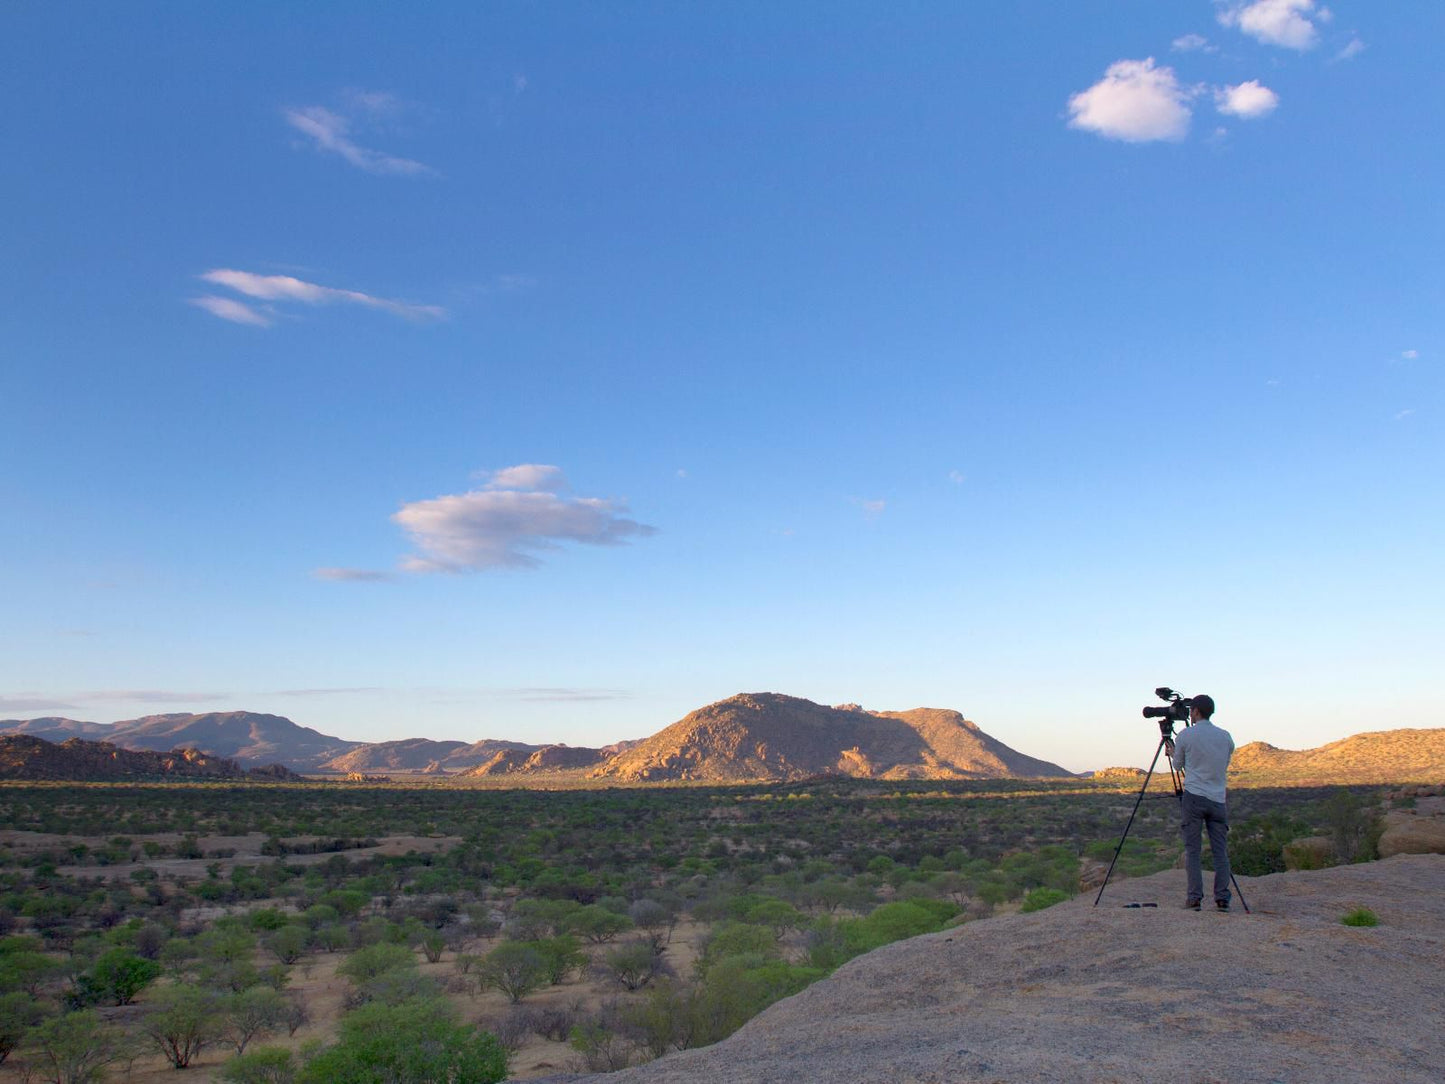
x,y
547,371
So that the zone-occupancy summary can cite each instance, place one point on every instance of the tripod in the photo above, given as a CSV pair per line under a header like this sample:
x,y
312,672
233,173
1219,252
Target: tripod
x,y
1177,777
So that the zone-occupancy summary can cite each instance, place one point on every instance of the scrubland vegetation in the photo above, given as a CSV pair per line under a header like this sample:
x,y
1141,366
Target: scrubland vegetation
x,y
333,933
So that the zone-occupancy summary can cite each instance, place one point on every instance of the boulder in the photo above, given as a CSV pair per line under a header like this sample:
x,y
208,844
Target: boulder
x,y
1091,874
1410,833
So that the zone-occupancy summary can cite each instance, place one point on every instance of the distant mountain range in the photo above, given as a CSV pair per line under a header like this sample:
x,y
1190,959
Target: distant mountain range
x,y
754,736
25,756
251,739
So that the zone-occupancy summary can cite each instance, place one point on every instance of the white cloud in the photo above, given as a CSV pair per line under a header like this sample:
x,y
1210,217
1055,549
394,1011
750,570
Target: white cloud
x,y
872,509
1248,101
1353,48
527,476
1410,354
75,701
238,312
505,523
1134,102
351,575
330,132
566,695
957,477
1189,43
1404,414
286,288
23,702
1289,24
378,103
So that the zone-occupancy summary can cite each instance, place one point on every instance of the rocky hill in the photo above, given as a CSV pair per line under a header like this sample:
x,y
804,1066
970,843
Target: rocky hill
x,y
750,737
1126,994
24,756
1383,756
768,736
422,754
249,737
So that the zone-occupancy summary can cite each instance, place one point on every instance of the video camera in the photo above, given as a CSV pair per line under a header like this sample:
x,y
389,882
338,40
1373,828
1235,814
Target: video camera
x,y
1177,710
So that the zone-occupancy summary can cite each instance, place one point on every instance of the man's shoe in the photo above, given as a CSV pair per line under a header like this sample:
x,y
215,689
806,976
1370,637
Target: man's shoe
x,y
1222,905
1191,905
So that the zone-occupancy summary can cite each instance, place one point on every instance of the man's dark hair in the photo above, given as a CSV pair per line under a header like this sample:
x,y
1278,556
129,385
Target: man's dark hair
x,y
1205,703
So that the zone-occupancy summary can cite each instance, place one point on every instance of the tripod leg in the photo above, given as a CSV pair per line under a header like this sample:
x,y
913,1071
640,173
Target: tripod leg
x,y
1149,775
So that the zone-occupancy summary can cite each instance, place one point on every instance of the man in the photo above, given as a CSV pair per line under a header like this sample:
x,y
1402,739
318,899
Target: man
x,y
1202,753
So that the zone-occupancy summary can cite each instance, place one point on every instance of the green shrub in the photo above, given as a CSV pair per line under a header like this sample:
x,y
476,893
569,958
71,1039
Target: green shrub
x,y
1361,916
895,921
265,1065
117,976
365,964
1040,898
737,939
416,1042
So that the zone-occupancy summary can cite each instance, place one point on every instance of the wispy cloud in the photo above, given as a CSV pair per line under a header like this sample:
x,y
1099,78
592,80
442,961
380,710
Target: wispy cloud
x,y
1402,415
872,509
1135,102
286,288
238,312
1192,43
74,701
343,691
151,696
352,575
23,702
957,477
1353,48
566,695
526,476
330,132
1289,24
519,512
1410,355
1249,101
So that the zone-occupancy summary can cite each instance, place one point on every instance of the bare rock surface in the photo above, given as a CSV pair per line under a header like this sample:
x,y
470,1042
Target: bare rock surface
x,y
1112,993
1417,831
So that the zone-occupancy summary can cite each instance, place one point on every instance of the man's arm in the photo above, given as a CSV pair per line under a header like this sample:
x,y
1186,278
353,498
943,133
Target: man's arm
x,y
1176,752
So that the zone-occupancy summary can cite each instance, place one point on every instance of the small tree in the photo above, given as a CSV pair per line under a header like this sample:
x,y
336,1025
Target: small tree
x,y
602,1050
251,1014
296,1015
655,919
183,1022
778,915
118,975
561,956
288,943
514,968
597,925
633,964
367,963
18,1014
77,1047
